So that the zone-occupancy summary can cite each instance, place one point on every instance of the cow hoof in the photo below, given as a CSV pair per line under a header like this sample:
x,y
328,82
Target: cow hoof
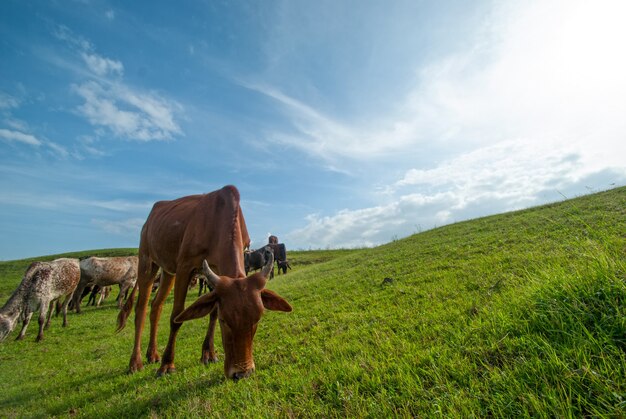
x,y
209,360
165,370
133,368
153,358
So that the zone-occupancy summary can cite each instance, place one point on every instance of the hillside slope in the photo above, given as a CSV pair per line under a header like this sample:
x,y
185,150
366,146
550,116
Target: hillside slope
x,y
515,314
520,313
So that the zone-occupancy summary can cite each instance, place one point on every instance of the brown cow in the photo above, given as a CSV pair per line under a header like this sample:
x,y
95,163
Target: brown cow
x,y
179,236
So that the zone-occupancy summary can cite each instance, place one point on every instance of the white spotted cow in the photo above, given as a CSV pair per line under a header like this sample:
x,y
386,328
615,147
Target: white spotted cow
x,y
105,272
43,283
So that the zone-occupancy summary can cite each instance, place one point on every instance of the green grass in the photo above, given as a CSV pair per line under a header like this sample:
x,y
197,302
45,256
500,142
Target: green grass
x,y
519,314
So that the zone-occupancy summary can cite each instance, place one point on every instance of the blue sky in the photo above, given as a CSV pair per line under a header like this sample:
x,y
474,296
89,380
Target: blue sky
x,y
342,123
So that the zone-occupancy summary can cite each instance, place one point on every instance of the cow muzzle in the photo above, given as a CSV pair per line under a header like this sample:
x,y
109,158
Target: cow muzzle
x,y
237,372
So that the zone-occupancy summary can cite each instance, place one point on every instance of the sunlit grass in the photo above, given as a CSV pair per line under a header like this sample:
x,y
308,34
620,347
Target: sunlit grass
x,y
520,314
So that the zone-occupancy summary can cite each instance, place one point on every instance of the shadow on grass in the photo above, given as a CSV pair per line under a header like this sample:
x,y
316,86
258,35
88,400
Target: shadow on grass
x,y
137,393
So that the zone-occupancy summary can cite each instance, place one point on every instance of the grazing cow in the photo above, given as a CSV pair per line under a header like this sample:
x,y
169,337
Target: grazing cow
x,y
283,265
256,259
104,272
184,237
280,255
43,283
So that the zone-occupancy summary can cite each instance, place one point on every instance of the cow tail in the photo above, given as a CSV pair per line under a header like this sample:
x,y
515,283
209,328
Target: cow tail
x,y
126,309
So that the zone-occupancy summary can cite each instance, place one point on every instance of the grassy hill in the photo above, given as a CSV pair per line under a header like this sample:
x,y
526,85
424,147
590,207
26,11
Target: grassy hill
x,y
515,314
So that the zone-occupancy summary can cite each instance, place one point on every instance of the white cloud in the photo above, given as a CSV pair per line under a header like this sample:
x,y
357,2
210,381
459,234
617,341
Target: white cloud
x,y
138,116
375,225
110,14
8,101
331,140
72,203
508,169
536,106
543,71
103,66
19,137
16,124
110,103
65,34
58,150
129,227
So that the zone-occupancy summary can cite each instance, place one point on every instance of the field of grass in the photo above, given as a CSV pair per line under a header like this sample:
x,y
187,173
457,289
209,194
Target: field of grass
x,y
519,314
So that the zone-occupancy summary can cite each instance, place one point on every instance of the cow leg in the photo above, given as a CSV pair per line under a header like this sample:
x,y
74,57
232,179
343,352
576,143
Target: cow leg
x,y
64,308
25,323
50,310
92,296
183,276
120,296
165,287
208,348
145,278
201,282
103,294
78,292
43,311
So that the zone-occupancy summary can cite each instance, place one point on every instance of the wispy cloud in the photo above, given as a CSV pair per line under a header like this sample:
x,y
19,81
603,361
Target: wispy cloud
x,y
128,227
526,76
111,103
329,139
102,66
20,137
508,169
536,106
8,101
71,202
58,149
65,34
126,113
19,134
374,225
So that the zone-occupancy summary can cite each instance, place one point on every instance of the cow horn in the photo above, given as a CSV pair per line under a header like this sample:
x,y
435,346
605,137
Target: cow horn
x,y
213,279
268,266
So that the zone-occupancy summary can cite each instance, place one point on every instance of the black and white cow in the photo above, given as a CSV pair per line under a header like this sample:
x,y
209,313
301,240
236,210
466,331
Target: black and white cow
x,y
280,256
257,259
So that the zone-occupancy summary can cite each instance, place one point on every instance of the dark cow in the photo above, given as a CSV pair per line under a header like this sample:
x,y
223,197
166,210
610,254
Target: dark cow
x,y
187,236
280,255
98,294
203,285
256,259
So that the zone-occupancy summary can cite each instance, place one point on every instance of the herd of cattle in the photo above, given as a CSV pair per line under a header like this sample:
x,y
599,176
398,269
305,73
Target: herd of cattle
x,y
197,237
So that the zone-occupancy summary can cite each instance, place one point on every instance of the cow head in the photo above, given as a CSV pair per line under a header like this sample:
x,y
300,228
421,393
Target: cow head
x,y
7,324
240,303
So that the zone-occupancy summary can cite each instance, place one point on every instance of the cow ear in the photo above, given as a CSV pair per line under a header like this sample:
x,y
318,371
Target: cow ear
x,y
273,301
200,308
